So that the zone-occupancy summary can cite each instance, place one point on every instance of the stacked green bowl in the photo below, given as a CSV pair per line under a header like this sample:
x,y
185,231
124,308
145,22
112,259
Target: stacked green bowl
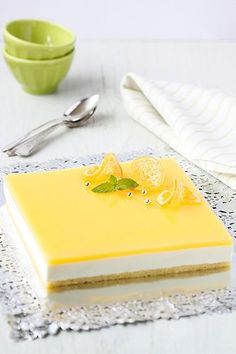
x,y
39,54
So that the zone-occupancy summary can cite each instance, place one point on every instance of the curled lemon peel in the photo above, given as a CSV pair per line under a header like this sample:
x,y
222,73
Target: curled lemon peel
x,y
109,166
178,194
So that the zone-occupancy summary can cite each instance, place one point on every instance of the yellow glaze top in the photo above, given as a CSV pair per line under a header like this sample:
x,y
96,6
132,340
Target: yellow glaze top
x,y
71,223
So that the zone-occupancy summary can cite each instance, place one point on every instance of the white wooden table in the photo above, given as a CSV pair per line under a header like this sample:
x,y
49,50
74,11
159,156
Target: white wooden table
x,y
98,68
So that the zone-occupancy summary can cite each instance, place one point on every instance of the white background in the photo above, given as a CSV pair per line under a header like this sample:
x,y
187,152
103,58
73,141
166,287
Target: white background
x,y
98,67
131,19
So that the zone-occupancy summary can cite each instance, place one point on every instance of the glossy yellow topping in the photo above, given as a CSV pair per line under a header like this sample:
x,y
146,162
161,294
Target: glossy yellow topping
x,y
71,223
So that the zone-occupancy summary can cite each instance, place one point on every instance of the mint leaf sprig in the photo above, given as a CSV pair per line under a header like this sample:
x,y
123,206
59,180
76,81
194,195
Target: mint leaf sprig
x,y
114,184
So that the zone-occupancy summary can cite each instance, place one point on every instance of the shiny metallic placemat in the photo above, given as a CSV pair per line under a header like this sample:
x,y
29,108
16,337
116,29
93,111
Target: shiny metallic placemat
x,y
32,315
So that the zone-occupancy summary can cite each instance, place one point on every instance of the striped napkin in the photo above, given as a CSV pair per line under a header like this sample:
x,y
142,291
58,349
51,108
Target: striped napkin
x,y
200,124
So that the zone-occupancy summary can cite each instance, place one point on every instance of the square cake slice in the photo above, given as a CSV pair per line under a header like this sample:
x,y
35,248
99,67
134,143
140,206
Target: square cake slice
x,y
116,220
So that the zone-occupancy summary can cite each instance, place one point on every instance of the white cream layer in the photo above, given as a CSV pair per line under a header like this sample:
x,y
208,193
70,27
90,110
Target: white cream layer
x,y
107,266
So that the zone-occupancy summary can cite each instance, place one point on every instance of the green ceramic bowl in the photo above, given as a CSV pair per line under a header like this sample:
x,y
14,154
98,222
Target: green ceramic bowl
x,y
37,40
39,76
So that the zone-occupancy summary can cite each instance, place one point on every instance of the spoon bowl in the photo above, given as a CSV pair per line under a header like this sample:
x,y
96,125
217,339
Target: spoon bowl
x,y
79,122
82,107
80,111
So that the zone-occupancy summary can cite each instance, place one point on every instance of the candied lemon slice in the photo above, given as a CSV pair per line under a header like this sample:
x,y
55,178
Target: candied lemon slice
x,y
147,172
109,166
170,196
177,195
189,197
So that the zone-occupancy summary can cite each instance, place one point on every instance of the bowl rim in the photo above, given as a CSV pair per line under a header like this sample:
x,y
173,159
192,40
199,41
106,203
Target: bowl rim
x,y
32,61
37,45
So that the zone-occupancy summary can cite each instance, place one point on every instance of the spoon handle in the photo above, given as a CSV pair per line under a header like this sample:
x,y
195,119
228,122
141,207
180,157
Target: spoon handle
x,y
30,145
42,129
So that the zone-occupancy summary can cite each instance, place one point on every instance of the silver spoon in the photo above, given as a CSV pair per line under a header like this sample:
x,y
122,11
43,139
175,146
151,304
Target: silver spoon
x,y
74,116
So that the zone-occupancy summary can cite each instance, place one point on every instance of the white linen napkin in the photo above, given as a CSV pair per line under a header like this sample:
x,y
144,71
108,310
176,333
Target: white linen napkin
x,y
199,124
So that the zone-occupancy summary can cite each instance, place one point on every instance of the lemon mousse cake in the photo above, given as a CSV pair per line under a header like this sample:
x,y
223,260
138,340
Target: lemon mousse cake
x,y
115,221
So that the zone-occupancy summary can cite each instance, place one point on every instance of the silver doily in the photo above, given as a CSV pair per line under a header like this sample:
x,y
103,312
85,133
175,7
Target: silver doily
x,y
31,316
